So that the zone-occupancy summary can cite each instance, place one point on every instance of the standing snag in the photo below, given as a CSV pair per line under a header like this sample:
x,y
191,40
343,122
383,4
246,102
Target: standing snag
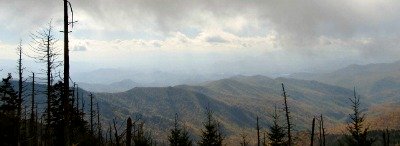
x,y
258,133
312,132
287,113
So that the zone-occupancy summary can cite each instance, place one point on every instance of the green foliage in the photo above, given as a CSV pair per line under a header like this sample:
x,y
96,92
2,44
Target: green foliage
x,y
276,132
140,136
9,98
8,113
66,122
179,136
358,133
211,135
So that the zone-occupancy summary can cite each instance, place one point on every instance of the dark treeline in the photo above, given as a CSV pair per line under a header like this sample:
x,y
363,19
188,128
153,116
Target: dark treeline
x,y
63,120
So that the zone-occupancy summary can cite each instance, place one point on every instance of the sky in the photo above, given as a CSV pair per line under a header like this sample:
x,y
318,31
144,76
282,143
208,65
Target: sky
x,y
268,37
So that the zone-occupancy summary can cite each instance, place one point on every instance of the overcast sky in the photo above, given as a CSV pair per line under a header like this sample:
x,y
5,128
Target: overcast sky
x,y
213,36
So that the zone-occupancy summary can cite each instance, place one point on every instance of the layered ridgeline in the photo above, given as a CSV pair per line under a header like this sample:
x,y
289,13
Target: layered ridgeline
x,y
236,101
379,82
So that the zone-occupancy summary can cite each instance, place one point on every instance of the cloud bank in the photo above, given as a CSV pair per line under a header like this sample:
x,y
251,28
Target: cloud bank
x,y
248,37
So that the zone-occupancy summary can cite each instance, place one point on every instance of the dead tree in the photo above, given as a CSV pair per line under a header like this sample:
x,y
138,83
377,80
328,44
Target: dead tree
x,y
91,114
99,132
312,132
287,113
116,133
43,42
323,131
20,91
33,118
128,131
110,135
385,137
83,107
258,133
77,98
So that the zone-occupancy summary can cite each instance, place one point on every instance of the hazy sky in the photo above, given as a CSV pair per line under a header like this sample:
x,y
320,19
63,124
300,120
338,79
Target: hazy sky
x,y
213,36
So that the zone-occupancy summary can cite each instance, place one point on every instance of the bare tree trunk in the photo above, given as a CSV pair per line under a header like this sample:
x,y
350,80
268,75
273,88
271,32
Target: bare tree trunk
x,y
323,131
110,135
77,98
83,106
116,133
258,133
20,70
128,131
289,125
32,120
99,132
312,132
91,114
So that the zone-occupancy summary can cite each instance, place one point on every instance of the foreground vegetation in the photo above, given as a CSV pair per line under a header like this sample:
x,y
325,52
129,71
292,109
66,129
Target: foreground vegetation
x,y
63,120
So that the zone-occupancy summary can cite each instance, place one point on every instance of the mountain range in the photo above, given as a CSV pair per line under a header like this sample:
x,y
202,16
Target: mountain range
x,y
238,100
378,82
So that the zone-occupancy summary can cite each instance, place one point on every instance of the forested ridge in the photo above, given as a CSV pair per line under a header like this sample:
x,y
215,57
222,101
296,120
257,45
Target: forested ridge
x,y
48,107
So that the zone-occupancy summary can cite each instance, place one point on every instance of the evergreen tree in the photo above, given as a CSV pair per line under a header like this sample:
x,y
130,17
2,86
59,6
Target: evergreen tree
x,y
358,133
8,113
277,132
140,136
179,136
211,135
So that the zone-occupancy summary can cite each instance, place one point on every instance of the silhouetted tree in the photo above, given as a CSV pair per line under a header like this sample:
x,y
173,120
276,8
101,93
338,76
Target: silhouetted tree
x,y
276,132
178,136
258,132
322,131
356,127
128,132
140,136
211,135
33,118
386,137
116,133
110,134
91,114
287,113
44,46
99,127
8,113
20,90
312,132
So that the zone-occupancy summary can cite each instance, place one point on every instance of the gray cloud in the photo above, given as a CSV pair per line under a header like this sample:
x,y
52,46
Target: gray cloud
x,y
79,48
362,30
299,24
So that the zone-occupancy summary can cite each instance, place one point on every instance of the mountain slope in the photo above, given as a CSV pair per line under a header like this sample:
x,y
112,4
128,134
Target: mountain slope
x,y
236,102
120,86
370,79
